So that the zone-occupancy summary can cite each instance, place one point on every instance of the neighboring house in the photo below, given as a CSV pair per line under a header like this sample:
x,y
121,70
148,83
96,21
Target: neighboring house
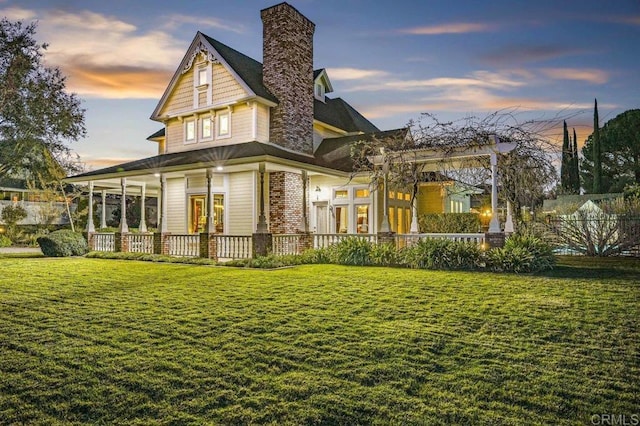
x,y
565,204
266,142
39,211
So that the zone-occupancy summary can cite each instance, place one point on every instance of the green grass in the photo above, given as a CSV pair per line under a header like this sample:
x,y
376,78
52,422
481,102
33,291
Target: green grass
x,y
126,342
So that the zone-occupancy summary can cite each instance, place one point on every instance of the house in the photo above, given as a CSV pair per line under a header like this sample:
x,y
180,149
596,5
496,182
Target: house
x,y
42,208
250,147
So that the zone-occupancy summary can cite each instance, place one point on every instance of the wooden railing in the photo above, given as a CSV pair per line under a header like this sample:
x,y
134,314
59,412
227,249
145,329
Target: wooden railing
x,y
285,244
403,240
184,245
140,243
326,240
103,241
233,246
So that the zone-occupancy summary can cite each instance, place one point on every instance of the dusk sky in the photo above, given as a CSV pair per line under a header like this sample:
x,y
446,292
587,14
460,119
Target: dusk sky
x,y
391,60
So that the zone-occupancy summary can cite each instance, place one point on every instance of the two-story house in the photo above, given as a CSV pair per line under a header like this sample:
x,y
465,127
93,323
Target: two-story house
x,y
248,146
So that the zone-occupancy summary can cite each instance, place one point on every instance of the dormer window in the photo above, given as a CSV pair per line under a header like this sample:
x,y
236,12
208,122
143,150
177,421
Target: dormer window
x,y
321,84
319,91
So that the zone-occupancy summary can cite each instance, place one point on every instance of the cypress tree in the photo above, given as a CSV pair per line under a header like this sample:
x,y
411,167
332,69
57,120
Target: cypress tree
x,y
597,160
565,167
575,167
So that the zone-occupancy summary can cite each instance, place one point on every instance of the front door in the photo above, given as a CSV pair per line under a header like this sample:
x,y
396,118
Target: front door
x,y
321,219
198,213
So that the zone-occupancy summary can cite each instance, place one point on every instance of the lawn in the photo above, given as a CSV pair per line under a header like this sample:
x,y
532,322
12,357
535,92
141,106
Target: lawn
x,y
108,341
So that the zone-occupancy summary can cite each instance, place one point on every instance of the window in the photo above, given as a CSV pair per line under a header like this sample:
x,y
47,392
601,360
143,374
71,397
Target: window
x,y
319,91
224,127
206,128
342,219
190,131
362,217
202,76
362,193
342,193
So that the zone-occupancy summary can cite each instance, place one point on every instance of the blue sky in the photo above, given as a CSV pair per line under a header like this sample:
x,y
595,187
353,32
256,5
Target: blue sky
x,y
392,60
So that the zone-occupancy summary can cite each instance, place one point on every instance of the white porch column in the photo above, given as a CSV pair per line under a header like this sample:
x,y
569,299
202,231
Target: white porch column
x,y
163,205
262,227
90,226
143,213
103,213
508,225
209,228
385,226
122,228
414,215
305,219
494,225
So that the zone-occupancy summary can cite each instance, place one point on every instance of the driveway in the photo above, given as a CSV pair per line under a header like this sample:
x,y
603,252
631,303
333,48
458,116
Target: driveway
x,y
20,250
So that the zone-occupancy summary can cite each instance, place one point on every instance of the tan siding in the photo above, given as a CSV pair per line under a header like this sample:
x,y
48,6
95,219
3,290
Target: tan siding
x,y
176,206
225,86
429,199
202,99
241,124
263,123
181,99
241,204
175,137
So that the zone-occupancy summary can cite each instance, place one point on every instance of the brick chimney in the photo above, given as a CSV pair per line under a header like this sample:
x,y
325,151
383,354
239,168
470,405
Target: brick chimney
x,y
287,71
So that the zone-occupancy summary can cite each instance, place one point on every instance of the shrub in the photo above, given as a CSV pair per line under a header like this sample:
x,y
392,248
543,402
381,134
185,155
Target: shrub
x,y
432,253
11,215
63,243
5,241
450,223
352,251
521,253
384,255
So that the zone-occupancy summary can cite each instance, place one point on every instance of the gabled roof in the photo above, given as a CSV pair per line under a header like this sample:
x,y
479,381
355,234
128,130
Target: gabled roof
x,y
322,74
248,69
159,134
338,113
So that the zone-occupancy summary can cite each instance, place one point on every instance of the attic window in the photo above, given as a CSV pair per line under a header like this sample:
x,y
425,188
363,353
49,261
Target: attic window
x,y
319,91
202,76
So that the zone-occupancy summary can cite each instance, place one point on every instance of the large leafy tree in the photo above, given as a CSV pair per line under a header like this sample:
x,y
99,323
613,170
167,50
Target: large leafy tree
x,y
619,142
37,116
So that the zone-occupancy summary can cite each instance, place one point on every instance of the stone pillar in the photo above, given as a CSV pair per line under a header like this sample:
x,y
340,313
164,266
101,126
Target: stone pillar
x,y
123,228
262,244
103,213
90,226
494,224
143,213
208,246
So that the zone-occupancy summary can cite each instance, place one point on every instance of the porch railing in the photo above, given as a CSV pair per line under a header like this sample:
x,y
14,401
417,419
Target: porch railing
x,y
326,240
140,243
286,244
103,241
233,246
184,245
403,240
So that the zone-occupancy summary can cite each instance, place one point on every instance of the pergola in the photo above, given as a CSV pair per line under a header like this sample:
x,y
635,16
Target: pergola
x,y
434,158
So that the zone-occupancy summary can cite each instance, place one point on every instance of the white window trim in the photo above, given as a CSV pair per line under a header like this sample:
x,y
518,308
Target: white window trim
x,y
195,131
201,121
227,135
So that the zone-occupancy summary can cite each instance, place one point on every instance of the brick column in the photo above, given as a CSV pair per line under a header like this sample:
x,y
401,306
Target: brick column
x,y
305,242
208,246
262,244
122,242
494,239
386,238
